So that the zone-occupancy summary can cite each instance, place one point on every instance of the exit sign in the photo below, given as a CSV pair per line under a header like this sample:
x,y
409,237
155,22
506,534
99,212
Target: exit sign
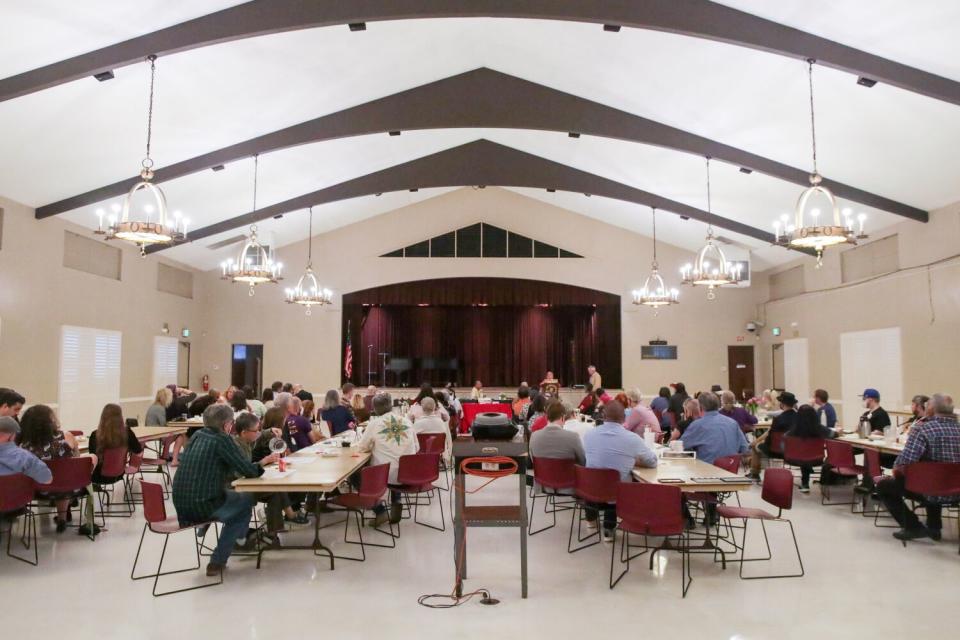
x,y
776,331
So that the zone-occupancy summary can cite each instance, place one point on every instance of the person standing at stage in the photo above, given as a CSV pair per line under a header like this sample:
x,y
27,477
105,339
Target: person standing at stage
x,y
594,380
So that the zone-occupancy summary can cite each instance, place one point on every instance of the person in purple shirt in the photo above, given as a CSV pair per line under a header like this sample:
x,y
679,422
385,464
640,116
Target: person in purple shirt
x,y
641,417
728,408
297,430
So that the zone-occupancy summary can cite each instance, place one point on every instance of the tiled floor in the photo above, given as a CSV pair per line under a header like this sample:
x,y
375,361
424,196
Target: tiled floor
x,y
860,582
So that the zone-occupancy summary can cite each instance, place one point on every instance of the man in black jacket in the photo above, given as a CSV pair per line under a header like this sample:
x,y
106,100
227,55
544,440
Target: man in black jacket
x,y
783,423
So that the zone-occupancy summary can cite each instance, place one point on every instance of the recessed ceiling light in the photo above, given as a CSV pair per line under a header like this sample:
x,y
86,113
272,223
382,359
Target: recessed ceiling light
x,y
218,167
358,26
394,133
103,76
414,190
866,82
746,170
573,134
611,28
684,217
551,190
278,216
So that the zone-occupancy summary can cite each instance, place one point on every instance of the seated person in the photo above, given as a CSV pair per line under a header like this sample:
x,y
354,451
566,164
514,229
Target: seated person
x,y
729,408
661,404
432,422
781,424
918,407
937,439
537,413
339,418
589,402
206,466
610,446
247,432
11,403
640,418
416,410
826,414
360,410
808,425
572,423
40,434
477,392
181,402
111,432
198,406
554,441
14,459
714,435
388,437
874,420
157,412
691,411
297,430
523,399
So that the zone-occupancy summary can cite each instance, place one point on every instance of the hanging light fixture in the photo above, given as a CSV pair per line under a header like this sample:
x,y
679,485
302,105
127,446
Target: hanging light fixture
x,y
709,274
254,265
654,292
146,231
817,235
308,292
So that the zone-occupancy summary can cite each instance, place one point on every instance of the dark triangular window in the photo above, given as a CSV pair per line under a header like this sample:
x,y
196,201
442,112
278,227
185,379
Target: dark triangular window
x,y
480,240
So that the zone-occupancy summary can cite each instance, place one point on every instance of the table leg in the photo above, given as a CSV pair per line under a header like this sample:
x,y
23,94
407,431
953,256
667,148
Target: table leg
x,y
317,545
459,532
523,530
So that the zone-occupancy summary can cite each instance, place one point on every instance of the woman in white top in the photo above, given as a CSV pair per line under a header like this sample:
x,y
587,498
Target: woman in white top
x,y
571,423
416,411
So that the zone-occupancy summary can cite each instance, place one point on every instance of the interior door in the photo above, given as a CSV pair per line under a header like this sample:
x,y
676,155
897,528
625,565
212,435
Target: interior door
x,y
778,367
740,367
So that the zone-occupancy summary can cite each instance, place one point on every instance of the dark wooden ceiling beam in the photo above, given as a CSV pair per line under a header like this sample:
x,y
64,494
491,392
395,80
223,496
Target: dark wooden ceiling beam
x,y
484,98
478,163
696,18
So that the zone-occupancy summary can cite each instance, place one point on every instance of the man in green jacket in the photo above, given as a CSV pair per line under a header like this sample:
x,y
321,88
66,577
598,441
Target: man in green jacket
x,y
199,492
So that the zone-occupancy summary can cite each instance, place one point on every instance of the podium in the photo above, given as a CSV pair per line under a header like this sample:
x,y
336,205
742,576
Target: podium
x,y
550,386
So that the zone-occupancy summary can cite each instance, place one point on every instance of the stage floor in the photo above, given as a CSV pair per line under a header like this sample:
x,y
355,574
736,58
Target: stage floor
x,y
567,394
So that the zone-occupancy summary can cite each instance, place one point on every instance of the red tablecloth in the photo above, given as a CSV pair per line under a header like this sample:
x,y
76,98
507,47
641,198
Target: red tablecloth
x,y
471,409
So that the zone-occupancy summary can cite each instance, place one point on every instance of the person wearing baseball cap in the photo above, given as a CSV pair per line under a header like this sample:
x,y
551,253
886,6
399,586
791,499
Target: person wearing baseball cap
x,y
875,415
782,424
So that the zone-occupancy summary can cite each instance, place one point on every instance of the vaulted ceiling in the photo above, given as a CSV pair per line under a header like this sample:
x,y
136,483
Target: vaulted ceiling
x,y
649,103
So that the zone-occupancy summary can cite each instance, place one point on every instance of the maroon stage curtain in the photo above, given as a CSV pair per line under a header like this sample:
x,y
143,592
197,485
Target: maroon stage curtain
x,y
501,346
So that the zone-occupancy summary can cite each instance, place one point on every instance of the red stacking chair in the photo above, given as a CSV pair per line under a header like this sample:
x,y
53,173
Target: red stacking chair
x,y
727,463
155,513
435,443
777,491
71,477
776,444
373,484
114,465
803,451
553,475
874,471
591,486
129,475
934,480
415,477
160,464
840,457
646,509
16,494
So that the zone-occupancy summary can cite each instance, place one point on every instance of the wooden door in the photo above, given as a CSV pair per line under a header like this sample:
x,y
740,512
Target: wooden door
x,y
741,370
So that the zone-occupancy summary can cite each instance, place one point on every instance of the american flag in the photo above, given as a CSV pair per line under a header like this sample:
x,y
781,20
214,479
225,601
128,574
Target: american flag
x,y
348,356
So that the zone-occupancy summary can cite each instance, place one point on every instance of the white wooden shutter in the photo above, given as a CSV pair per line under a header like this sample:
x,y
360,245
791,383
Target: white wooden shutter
x,y
164,362
796,368
89,375
870,359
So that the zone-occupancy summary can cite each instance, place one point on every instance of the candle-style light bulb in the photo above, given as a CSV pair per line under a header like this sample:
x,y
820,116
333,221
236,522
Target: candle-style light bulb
x,y
99,219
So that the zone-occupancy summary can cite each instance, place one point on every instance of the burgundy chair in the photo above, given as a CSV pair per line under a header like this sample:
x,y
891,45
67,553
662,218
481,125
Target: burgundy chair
x,y
803,451
935,480
16,494
647,509
777,491
776,444
114,465
373,484
160,464
840,457
553,475
591,486
157,520
435,443
415,476
134,463
873,470
71,477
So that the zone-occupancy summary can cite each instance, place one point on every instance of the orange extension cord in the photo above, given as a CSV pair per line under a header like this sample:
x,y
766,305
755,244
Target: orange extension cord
x,y
506,467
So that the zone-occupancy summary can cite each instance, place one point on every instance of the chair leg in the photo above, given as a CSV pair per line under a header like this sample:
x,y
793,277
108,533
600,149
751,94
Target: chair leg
x,y
28,537
613,549
160,572
416,509
580,539
766,540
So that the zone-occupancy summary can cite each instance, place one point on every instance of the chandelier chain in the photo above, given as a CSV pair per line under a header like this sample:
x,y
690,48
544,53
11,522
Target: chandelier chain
x,y
310,241
256,168
654,209
148,161
709,200
813,122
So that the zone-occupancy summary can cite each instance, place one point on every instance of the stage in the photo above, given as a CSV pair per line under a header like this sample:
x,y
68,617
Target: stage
x,y
567,394
496,330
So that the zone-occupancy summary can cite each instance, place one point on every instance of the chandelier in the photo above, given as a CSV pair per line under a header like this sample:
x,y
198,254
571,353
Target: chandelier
x,y
254,265
817,235
709,274
145,231
308,291
654,292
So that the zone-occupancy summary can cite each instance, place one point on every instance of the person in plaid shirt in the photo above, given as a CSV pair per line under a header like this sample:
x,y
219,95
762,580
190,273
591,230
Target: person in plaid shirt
x,y
937,439
210,460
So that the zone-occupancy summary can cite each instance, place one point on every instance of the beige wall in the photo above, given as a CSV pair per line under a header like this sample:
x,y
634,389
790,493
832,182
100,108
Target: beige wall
x,y
38,295
928,311
307,350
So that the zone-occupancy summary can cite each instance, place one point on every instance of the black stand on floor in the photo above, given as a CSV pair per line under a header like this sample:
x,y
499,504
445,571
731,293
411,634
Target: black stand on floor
x,y
512,515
